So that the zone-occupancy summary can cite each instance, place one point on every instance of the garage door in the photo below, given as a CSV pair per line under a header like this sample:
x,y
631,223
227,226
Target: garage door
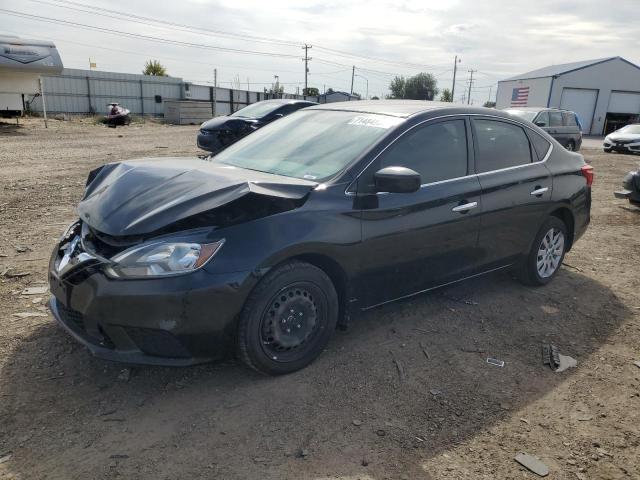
x,y
581,101
624,102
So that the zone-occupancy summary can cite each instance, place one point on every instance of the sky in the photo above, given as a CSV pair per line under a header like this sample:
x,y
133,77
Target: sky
x,y
251,41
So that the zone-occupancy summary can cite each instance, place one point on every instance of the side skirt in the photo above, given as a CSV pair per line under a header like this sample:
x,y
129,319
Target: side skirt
x,y
437,286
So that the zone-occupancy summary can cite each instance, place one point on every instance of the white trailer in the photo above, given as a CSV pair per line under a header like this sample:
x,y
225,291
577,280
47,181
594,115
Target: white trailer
x,y
22,62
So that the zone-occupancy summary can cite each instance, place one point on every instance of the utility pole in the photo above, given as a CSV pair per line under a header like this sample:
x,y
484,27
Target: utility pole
x,y
215,89
353,74
490,90
306,65
470,84
455,69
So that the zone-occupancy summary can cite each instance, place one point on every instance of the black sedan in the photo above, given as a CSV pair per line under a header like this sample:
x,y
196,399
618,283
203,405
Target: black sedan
x,y
220,132
267,247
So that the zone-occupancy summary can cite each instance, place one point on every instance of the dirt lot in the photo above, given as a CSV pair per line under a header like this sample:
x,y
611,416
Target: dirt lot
x,y
66,415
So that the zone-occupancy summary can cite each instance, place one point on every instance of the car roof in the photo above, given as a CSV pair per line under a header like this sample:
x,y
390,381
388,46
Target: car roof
x,y
286,101
537,109
406,108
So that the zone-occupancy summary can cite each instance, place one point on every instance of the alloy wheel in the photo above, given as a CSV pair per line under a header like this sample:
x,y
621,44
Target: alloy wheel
x,y
550,253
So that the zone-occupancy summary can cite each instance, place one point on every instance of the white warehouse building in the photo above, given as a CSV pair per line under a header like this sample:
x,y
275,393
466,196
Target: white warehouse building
x,y
604,93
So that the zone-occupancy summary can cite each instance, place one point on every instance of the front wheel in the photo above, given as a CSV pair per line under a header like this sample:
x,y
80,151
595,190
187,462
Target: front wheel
x,y
571,146
546,255
288,319
607,150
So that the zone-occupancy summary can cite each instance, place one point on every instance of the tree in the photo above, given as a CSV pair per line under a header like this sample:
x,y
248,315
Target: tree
x,y
330,90
397,87
446,96
311,91
375,98
489,104
154,68
422,86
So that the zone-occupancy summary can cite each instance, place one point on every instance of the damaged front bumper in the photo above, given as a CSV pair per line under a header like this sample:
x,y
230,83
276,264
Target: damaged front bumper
x,y
171,321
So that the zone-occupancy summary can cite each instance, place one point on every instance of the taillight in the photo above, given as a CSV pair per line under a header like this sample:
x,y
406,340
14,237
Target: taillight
x,y
587,172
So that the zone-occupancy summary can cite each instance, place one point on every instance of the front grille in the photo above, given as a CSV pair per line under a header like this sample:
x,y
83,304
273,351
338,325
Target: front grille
x,y
75,321
72,318
159,343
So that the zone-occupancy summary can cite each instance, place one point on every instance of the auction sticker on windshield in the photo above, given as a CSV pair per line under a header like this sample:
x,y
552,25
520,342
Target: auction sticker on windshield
x,y
376,121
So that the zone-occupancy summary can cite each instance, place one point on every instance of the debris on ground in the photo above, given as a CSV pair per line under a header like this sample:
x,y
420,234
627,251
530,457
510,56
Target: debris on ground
x,y
566,362
495,361
29,314
435,392
637,363
398,366
424,350
302,452
357,422
22,249
532,463
9,273
35,291
5,457
380,432
124,375
550,356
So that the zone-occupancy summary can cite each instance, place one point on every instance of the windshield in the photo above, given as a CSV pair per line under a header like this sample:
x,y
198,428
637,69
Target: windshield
x,y
633,129
526,114
257,110
310,144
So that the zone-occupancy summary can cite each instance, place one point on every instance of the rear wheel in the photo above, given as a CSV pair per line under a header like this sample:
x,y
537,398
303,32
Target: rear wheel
x,y
571,146
546,255
607,150
288,319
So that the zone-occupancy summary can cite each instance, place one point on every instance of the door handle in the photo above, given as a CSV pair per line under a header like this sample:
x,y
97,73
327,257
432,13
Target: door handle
x,y
464,208
539,191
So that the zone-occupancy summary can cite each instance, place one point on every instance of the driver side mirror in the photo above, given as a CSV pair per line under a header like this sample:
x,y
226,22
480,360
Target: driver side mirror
x,y
397,180
541,124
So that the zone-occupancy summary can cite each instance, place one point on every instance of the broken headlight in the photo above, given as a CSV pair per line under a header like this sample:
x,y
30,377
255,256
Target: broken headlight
x,y
162,258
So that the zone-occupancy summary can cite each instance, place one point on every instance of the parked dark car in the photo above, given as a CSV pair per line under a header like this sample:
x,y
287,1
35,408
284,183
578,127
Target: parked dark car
x,y
220,132
623,140
563,125
630,188
335,209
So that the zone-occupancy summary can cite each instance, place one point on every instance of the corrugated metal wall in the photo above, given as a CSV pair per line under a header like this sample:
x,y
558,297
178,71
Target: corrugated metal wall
x,y
89,91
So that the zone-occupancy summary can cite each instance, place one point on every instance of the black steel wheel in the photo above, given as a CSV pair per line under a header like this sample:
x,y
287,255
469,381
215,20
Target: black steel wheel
x,y
288,319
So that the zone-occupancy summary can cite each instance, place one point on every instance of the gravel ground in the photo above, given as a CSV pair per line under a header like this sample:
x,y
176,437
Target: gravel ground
x,y
444,414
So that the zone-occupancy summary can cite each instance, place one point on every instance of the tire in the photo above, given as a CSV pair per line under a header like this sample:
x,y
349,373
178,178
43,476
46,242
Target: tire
x,y
607,150
571,146
532,272
271,338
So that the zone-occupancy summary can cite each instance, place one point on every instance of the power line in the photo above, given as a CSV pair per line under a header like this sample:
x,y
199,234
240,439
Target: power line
x,y
142,19
143,37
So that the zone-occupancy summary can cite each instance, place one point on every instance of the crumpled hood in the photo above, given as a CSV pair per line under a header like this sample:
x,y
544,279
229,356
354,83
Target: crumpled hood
x,y
138,197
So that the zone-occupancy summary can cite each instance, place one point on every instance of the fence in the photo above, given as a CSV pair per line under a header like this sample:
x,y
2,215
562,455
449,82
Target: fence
x,y
89,92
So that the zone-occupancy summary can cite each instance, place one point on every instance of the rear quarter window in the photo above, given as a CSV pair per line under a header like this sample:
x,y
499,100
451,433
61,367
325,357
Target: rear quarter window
x,y
540,145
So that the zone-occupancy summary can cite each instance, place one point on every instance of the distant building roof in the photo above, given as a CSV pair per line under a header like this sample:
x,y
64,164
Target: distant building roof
x,y
554,70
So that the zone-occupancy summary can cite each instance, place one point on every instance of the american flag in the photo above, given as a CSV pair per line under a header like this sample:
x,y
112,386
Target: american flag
x,y
520,97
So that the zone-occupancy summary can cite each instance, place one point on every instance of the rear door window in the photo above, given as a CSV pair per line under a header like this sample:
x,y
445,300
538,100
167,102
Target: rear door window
x,y
436,151
555,119
500,145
